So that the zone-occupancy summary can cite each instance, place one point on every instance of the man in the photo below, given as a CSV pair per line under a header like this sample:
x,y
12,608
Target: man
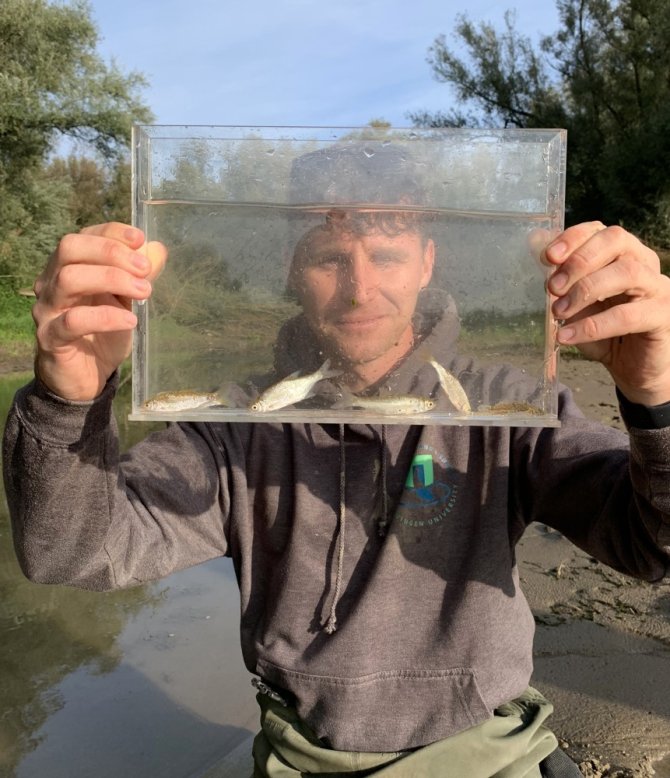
x,y
358,286
380,597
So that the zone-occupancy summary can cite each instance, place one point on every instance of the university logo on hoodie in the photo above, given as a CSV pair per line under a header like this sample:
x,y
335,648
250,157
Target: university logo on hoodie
x,y
429,496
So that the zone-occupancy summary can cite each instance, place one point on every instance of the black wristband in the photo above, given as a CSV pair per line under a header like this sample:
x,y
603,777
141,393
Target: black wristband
x,y
644,417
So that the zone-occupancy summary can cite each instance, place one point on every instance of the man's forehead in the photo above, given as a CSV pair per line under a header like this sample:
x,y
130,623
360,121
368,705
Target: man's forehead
x,y
341,235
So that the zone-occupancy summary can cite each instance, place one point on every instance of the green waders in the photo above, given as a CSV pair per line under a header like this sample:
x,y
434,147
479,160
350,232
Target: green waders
x,y
509,745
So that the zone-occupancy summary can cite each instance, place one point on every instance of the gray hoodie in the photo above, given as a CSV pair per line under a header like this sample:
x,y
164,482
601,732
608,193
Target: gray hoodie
x,y
376,565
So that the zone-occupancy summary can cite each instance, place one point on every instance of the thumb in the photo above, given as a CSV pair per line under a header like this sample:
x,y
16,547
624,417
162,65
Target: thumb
x,y
156,253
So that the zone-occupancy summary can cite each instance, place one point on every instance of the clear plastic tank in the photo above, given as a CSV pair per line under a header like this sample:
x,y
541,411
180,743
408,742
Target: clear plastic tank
x,y
348,275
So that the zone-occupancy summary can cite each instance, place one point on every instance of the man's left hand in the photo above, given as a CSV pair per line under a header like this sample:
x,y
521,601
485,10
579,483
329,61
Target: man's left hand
x,y
614,304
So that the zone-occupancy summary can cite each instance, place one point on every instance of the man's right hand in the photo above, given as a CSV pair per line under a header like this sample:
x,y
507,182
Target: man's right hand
x,y
84,295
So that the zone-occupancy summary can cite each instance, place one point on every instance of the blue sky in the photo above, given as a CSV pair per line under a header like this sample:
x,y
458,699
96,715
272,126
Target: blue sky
x,y
292,62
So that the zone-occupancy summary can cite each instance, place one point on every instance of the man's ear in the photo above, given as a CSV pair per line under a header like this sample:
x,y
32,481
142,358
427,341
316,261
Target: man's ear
x,y
428,262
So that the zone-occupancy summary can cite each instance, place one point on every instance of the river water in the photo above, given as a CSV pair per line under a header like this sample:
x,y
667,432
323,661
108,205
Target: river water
x,y
143,682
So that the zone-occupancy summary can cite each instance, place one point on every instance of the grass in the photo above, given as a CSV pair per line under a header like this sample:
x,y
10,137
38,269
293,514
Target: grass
x,y
17,331
496,332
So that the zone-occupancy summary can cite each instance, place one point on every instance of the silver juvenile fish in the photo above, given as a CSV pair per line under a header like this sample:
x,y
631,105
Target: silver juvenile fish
x,y
452,386
400,405
292,389
184,400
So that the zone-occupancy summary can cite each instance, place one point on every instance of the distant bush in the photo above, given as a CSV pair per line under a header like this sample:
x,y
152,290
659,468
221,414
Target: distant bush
x,y
16,323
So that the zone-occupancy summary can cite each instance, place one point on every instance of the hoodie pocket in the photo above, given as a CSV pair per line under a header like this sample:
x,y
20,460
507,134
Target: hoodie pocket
x,y
385,711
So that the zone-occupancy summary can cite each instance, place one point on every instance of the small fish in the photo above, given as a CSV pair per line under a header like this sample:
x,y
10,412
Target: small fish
x,y
452,386
511,407
292,389
400,405
184,400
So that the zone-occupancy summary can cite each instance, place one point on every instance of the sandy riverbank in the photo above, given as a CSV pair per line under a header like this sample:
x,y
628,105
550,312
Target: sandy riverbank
x,y
603,640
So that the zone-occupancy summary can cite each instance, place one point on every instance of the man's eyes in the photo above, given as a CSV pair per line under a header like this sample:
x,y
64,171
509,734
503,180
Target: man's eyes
x,y
328,260
387,258
341,260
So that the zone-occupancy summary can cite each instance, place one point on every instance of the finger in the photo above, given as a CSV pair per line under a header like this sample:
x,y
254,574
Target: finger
x,y
578,252
132,237
625,277
156,253
93,250
76,283
604,246
78,322
556,252
627,318
538,239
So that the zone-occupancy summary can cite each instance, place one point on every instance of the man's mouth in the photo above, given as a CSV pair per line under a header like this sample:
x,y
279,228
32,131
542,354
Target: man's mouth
x,y
352,323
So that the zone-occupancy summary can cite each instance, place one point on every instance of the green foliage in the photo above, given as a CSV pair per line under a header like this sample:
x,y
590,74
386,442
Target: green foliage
x,y
33,216
53,82
97,193
53,85
604,76
492,329
503,76
16,322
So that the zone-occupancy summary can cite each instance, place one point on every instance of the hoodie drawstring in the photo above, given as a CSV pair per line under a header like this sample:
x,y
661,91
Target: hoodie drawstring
x,y
382,521
331,625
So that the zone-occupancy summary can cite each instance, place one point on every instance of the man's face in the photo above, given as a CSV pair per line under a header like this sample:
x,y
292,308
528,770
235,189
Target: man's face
x,y
359,291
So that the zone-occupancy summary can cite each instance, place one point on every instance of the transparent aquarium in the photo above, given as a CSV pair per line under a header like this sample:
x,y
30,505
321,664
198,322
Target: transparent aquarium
x,y
348,275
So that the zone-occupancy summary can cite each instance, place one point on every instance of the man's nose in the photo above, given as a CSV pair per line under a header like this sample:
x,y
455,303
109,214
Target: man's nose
x,y
361,280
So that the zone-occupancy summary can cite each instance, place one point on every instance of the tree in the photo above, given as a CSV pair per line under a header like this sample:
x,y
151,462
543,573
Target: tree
x,y
604,76
53,84
97,192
